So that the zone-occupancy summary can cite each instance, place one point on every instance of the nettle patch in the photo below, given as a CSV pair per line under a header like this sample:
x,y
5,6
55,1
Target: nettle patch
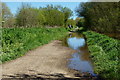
x,y
104,53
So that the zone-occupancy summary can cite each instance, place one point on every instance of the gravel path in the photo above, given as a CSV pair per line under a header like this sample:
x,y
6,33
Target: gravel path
x,y
49,60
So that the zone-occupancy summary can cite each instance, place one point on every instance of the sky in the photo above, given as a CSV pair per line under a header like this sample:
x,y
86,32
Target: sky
x,y
13,6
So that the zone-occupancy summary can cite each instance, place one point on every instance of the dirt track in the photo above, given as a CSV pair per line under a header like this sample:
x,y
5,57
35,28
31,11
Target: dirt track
x,y
46,60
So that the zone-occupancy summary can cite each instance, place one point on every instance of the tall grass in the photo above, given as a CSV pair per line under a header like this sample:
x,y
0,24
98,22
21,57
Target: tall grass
x,y
17,41
105,54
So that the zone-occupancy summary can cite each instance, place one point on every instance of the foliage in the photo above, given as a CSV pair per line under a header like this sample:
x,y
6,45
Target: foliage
x,y
67,12
5,12
54,17
101,16
49,15
7,17
80,22
57,13
71,22
17,41
105,54
28,16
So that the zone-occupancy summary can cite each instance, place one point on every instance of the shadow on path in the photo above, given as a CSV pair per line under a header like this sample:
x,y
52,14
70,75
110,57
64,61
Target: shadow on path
x,y
56,76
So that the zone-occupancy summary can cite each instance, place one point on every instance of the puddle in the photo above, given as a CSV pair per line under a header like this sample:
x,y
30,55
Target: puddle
x,y
80,60
77,63
75,43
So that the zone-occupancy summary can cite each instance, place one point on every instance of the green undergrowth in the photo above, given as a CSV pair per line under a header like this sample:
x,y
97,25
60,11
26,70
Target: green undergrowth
x,y
105,54
17,41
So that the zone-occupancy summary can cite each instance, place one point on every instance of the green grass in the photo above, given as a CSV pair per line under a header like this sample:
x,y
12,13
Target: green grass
x,y
105,54
17,41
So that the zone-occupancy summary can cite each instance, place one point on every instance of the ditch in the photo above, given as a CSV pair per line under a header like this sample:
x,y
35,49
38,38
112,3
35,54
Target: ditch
x,y
80,60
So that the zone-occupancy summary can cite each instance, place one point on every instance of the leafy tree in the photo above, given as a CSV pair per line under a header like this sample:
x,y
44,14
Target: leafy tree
x,y
50,15
41,18
53,16
101,17
28,16
71,22
67,12
7,16
80,22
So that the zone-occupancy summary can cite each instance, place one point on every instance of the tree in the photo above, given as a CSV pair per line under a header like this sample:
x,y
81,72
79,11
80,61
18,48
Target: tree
x,y
101,17
7,16
71,22
29,16
80,22
49,15
67,12
53,16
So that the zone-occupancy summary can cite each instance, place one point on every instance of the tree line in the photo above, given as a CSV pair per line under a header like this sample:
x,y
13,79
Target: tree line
x,y
100,16
28,16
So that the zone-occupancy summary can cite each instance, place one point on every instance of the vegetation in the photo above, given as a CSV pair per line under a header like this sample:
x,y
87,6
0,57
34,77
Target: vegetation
x,y
54,20
22,32
105,54
28,16
80,22
101,16
17,41
7,17
71,22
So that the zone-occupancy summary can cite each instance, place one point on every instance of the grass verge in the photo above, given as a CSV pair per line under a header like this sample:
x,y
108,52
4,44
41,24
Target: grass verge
x,y
105,54
17,41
